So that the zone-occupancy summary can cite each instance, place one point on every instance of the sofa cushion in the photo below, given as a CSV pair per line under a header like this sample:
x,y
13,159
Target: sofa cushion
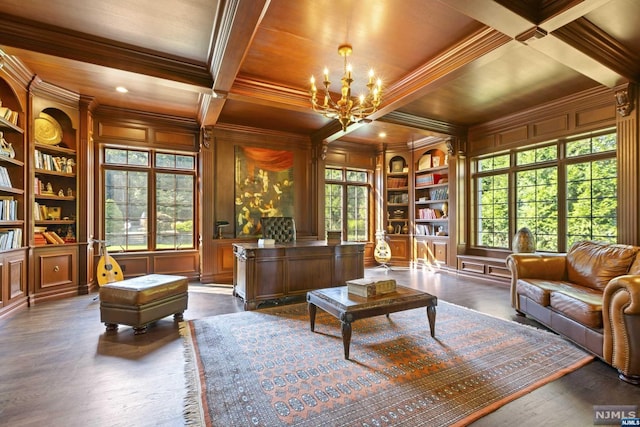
x,y
582,304
593,264
539,290
635,266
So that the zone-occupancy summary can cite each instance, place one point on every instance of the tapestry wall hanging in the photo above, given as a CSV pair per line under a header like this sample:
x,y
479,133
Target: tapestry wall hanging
x,y
264,187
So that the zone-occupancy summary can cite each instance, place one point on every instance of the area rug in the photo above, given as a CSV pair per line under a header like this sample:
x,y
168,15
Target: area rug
x,y
266,368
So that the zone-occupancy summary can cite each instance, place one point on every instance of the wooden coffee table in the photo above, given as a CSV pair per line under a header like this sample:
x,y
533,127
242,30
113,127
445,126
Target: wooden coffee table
x,y
349,307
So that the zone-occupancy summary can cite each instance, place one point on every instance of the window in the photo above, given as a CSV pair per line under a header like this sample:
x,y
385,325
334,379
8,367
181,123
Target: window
x,y
560,198
347,202
149,207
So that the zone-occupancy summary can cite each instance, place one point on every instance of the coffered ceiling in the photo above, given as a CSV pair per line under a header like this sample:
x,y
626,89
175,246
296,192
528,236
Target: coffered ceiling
x,y
445,65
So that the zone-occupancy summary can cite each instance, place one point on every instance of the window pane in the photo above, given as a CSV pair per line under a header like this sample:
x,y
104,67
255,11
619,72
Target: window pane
x,y
492,220
174,211
126,210
590,145
138,158
333,174
126,157
537,205
537,155
185,162
592,201
165,160
356,176
493,163
115,157
333,207
357,213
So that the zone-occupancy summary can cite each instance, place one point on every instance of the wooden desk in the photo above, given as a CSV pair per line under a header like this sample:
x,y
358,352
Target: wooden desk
x,y
292,269
349,307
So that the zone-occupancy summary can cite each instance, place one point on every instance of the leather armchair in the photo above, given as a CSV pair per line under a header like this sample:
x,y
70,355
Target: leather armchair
x,y
621,318
282,229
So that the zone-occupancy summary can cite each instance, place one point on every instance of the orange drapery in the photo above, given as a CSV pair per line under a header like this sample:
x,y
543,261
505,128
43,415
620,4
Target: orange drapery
x,y
267,159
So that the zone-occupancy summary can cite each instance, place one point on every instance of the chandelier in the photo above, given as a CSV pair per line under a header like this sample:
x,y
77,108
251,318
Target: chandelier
x,y
347,110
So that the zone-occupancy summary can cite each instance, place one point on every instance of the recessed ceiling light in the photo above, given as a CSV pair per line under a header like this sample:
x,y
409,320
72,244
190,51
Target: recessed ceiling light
x,y
382,134
122,89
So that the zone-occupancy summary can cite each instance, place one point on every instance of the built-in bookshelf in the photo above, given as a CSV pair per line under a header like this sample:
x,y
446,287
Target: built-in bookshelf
x,y
54,186
397,208
431,205
12,193
13,251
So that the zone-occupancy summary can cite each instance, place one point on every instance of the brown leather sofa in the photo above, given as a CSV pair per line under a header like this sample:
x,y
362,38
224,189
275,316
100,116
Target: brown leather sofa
x,y
590,295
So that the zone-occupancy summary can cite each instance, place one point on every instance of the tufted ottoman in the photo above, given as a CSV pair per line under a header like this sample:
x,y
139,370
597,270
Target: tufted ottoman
x,y
139,301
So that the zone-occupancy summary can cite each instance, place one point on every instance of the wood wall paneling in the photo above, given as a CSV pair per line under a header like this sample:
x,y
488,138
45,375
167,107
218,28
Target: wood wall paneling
x,y
516,135
133,265
186,141
587,111
183,263
550,127
599,115
122,133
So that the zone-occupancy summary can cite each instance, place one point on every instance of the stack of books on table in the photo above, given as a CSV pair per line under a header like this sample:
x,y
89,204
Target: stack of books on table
x,y
370,288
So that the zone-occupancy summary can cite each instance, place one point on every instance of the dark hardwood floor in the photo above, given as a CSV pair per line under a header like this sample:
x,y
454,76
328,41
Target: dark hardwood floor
x,y
58,367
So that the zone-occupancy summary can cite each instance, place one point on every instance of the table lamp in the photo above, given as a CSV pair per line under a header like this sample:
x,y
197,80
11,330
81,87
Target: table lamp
x,y
219,226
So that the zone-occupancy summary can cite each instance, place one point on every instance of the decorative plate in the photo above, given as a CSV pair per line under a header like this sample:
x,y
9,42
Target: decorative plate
x,y
47,130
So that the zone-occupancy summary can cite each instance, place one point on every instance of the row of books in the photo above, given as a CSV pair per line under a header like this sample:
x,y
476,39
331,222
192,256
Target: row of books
x,y
429,213
5,179
9,115
47,237
398,198
49,162
397,182
8,208
42,212
430,230
439,193
428,179
10,238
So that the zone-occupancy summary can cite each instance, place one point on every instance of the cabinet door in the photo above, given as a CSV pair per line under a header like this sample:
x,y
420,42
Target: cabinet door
x,y
56,271
440,251
399,246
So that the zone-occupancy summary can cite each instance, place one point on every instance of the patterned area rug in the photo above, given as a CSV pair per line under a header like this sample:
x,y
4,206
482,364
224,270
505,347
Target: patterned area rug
x,y
266,368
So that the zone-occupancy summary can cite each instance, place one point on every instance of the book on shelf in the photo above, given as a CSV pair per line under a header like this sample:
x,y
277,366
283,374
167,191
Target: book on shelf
x,y
397,182
8,208
5,179
370,288
10,238
39,239
53,238
429,213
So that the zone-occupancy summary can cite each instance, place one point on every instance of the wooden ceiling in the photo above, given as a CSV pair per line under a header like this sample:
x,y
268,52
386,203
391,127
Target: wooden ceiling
x,y
445,65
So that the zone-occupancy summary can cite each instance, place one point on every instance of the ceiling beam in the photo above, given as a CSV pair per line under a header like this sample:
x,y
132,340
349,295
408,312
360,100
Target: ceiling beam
x,y
236,27
559,30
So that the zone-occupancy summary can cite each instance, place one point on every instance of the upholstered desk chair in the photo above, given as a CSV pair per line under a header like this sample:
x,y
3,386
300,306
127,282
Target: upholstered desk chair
x,y
282,229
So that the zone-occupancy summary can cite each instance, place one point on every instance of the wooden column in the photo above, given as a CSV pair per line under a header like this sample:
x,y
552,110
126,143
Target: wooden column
x,y
627,120
86,179
206,195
